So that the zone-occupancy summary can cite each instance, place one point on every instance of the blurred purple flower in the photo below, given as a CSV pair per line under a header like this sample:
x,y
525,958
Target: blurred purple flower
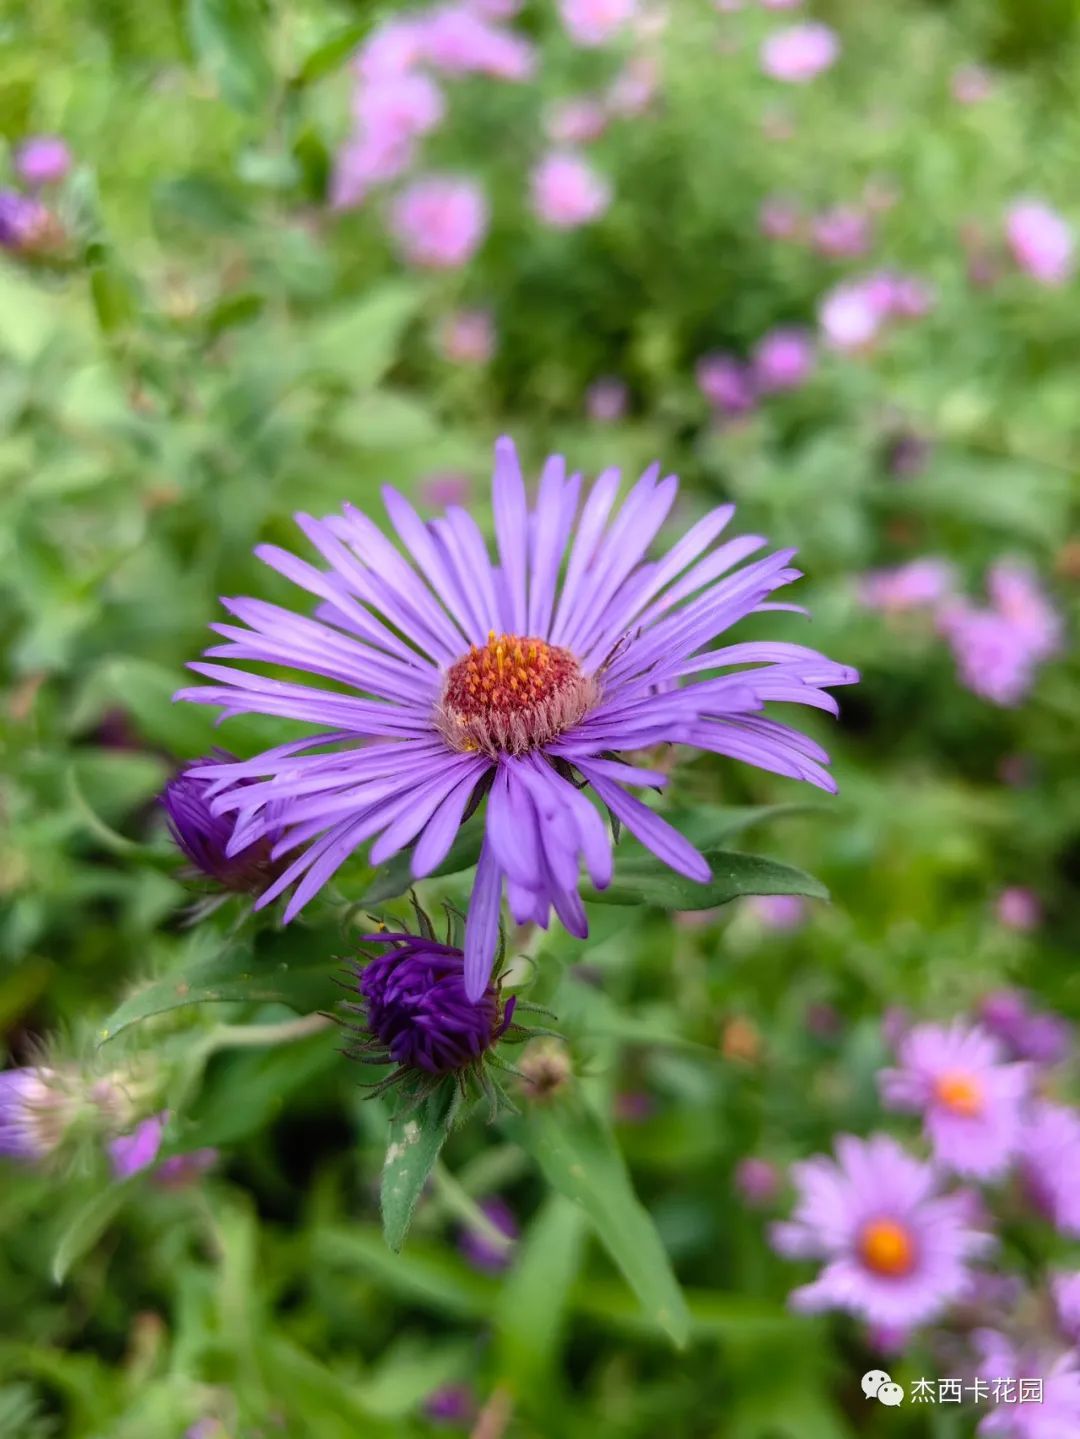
x,y
633,1106
781,913
467,337
1050,1163
1056,1415
783,360
851,315
1025,1033
567,191
779,219
480,1249
908,454
205,838
841,233
181,1171
971,84
972,1102
895,1023
575,122
992,658
594,22
392,49
42,160
799,53
1018,908
1016,595
439,221
129,1154
364,162
443,488
919,584
726,383
451,1404
27,227
398,109
1065,1289
1041,241
757,1181
605,400
458,40
895,1250
634,87
35,1110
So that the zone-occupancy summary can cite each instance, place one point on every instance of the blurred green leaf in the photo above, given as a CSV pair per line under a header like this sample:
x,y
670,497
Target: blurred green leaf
x,y
533,1303
649,881
385,420
579,1157
358,342
87,1227
229,41
414,1142
332,53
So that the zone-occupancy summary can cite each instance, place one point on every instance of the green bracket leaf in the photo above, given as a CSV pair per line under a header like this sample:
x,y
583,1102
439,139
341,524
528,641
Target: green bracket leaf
x,y
415,1142
86,1229
648,881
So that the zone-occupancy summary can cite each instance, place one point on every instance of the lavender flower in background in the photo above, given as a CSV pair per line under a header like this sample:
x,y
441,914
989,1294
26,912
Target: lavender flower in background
x,y
605,400
895,1250
1016,595
1056,1416
1026,1033
800,53
27,227
1041,242
362,164
459,41
999,649
972,1100
400,108
1018,908
451,1404
42,160
415,1012
576,122
513,679
779,219
919,584
483,1251
757,1182
439,221
205,837
181,1171
780,4
634,87
129,1154
633,1106
591,23
842,233
782,360
37,1105
467,337
781,913
1065,1289
567,192
851,315
1050,1162
726,383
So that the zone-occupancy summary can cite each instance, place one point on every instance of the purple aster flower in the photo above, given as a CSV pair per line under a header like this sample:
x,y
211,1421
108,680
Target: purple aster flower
x,y
459,41
1041,242
783,360
1018,908
515,678
1050,1162
895,1250
605,400
576,122
27,227
1016,595
1065,1289
757,1181
416,1013
852,314
591,23
399,108
205,836
841,233
131,1153
483,1251
993,658
35,1110
392,48
439,221
1003,1365
567,192
42,160
1025,1033
726,383
452,1404
971,1101
920,584
365,162
799,53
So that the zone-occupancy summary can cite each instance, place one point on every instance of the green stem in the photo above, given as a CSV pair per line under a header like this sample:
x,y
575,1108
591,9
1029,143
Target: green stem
x,y
465,1208
238,1036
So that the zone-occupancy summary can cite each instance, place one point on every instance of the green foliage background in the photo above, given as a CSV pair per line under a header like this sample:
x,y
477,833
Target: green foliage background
x,y
219,352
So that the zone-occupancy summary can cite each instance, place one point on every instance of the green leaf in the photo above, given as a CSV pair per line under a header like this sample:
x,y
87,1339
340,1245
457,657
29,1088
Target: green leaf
x,y
86,1229
415,1142
229,41
385,420
578,1155
424,1276
531,1312
649,881
358,342
296,970
332,53
395,877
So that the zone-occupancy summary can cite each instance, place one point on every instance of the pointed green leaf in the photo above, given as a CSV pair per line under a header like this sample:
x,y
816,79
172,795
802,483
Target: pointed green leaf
x,y
86,1229
639,880
415,1142
534,1299
230,43
579,1157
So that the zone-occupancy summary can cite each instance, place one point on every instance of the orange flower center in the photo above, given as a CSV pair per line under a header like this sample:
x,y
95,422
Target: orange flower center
x,y
512,695
887,1248
960,1092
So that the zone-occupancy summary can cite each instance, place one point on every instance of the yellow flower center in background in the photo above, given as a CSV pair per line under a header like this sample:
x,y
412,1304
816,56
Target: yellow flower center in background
x,y
960,1092
886,1247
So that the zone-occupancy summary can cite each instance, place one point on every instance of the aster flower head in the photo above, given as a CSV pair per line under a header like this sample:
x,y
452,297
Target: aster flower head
x,y
1025,1033
634,87
783,359
1050,1162
517,680
1056,1413
1018,908
1041,242
895,1251
42,160
205,836
576,122
841,233
458,40
365,162
919,584
37,1106
799,53
567,191
27,227
591,23
439,221
398,109
726,383
130,1154
971,1099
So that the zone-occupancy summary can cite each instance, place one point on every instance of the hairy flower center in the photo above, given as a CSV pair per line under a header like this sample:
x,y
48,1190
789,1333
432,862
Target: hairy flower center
x,y
887,1248
960,1092
512,695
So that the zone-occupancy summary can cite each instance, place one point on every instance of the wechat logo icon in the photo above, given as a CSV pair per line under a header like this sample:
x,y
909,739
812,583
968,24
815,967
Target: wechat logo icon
x,y
876,1384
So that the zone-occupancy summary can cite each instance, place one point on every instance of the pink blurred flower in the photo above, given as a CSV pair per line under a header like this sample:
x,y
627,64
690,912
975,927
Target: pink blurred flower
x,y
459,41
779,219
726,383
971,84
42,160
783,360
467,337
594,22
919,584
780,4
131,1153
780,913
1055,1416
575,122
567,191
398,108
1041,241
841,233
1066,1291
993,660
1018,908
799,53
1050,1162
439,221
634,87
391,49
1026,1033
605,399
851,315
757,1181
1016,595
363,163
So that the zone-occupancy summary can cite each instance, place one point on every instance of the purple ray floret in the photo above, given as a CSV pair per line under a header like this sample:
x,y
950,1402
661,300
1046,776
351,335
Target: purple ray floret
x,y
452,669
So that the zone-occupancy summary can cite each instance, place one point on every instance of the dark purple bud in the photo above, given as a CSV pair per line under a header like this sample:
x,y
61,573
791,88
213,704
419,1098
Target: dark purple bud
x,y
204,836
451,1404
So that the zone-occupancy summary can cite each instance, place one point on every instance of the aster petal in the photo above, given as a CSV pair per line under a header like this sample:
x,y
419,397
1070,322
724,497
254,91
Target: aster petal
x,y
482,924
552,520
653,832
590,531
511,521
